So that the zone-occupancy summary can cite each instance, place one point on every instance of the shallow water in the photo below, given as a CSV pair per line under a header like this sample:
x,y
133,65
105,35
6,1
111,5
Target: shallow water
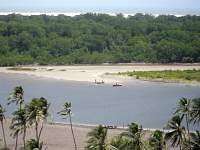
x,y
148,103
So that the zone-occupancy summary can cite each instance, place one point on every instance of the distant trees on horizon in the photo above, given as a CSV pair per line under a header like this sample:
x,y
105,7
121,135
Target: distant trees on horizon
x,y
98,38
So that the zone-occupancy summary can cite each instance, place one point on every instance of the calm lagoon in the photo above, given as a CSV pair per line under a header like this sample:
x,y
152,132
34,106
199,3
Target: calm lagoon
x,y
148,103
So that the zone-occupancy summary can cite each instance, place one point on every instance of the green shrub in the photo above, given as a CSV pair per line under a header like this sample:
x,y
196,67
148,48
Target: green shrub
x,y
191,75
188,78
32,144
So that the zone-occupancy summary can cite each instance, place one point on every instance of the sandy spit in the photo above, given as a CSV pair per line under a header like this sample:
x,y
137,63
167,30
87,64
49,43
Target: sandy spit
x,y
90,73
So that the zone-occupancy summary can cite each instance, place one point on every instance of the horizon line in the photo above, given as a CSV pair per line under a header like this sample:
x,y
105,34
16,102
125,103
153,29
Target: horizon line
x,y
72,14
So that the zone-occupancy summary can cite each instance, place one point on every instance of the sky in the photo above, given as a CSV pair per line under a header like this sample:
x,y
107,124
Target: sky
x,y
131,6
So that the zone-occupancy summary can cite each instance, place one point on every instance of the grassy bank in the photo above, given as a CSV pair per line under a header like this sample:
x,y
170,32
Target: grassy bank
x,y
168,75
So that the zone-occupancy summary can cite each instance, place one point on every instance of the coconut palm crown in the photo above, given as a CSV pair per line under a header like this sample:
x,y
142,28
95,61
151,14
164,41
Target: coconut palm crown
x,y
97,139
19,123
184,109
177,133
134,135
66,112
37,111
16,96
195,111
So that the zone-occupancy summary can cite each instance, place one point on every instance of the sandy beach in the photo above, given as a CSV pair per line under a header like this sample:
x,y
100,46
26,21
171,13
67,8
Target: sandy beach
x,y
90,73
57,136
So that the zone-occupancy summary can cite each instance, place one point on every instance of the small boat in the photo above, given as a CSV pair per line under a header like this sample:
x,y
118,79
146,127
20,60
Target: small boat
x,y
117,84
99,82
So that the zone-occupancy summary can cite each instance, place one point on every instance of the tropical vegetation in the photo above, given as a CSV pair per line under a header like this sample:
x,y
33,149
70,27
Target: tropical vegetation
x,y
157,141
97,139
171,75
66,112
19,124
17,97
37,111
177,135
98,38
27,115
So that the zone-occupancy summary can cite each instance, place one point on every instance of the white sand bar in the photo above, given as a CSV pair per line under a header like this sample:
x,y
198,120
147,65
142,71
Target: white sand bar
x,y
91,72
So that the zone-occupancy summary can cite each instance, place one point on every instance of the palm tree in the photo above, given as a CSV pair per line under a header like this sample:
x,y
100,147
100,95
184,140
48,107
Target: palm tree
x,y
195,110
97,139
119,143
177,133
195,140
156,141
37,111
17,96
19,123
2,117
183,108
134,135
65,112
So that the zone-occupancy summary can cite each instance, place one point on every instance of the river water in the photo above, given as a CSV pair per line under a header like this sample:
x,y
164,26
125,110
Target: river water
x,y
148,103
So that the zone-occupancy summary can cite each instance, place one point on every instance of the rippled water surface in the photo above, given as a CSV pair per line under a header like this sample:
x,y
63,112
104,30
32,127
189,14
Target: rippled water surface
x,y
148,103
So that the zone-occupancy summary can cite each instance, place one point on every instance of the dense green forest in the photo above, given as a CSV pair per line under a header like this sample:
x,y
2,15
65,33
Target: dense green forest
x,y
98,38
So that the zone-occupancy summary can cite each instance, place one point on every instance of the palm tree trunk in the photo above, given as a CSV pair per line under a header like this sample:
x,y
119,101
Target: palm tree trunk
x,y
41,130
24,137
180,143
36,133
16,141
72,132
100,147
4,137
188,131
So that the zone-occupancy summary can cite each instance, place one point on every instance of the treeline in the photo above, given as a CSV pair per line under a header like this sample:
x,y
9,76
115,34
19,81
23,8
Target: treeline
x,y
98,38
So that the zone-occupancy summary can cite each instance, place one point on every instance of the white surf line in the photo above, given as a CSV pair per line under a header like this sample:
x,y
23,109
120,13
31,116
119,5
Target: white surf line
x,y
72,14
